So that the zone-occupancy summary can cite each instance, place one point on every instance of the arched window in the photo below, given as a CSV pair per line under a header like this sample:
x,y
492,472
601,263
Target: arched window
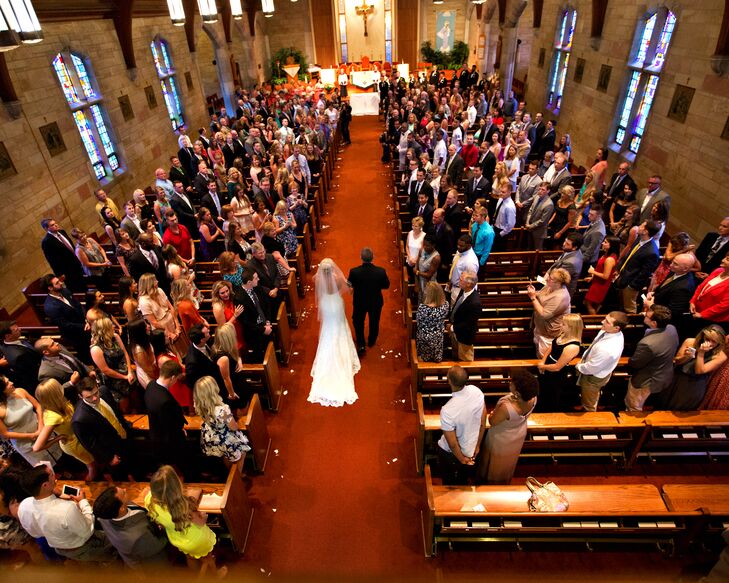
x,y
166,72
647,57
83,97
561,58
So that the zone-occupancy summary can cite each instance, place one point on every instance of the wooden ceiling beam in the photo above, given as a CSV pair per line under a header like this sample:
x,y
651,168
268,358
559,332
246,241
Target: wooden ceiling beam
x,y
227,18
190,8
123,26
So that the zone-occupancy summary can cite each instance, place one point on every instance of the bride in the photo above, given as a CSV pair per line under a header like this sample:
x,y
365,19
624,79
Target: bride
x,y
336,360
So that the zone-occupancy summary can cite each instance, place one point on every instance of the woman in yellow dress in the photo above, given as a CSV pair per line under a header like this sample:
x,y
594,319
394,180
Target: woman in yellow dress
x,y
57,415
185,525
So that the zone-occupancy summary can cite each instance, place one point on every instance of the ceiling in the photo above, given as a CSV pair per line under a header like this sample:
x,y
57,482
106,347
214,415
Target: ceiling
x,y
56,10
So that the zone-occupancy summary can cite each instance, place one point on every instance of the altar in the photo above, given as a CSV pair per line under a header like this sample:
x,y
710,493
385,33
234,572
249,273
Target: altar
x,y
365,103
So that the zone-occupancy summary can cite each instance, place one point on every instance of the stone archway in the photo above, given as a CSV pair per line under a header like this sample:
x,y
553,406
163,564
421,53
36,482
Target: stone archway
x,y
221,62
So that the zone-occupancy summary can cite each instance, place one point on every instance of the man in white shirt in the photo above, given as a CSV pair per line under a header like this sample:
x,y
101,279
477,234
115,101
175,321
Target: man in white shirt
x,y
600,359
303,164
66,522
462,420
440,153
464,260
163,181
504,217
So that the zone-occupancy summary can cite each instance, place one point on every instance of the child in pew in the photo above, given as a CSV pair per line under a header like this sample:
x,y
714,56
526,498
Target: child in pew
x,y
185,525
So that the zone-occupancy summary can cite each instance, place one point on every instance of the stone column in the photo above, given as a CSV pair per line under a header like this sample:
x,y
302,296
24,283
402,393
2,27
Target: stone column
x,y
508,56
225,76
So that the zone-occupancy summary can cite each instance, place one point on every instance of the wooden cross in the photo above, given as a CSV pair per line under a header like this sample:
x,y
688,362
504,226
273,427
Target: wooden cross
x,y
364,11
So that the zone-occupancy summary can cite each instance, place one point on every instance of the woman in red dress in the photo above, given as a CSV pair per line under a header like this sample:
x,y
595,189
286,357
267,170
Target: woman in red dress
x,y
179,390
602,274
224,310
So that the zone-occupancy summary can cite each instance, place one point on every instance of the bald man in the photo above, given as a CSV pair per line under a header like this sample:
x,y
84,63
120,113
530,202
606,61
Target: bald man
x,y
676,290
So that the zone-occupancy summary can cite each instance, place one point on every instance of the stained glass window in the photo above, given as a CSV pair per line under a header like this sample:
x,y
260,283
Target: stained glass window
x,y
388,31
88,114
650,45
561,58
166,73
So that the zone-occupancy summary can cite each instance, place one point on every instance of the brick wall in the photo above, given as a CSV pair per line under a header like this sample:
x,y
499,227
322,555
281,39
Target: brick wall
x,y
690,156
62,186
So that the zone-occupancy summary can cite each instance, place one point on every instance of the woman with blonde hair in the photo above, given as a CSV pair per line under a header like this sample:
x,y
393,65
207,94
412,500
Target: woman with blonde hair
x,y
57,415
281,185
274,247
185,525
500,177
242,208
285,228
555,365
220,435
234,179
565,211
112,361
297,204
550,305
157,309
224,310
178,269
414,242
231,269
227,357
430,317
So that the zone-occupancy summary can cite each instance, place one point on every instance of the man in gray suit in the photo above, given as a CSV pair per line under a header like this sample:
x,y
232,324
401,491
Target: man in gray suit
x,y
652,361
58,363
571,260
593,237
540,211
647,197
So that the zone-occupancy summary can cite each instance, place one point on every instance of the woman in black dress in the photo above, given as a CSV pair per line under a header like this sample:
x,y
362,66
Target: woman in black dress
x,y
236,392
563,218
555,368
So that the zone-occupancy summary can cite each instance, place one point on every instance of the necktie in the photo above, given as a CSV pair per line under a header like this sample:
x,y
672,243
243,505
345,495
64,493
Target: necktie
x,y
153,259
498,208
65,241
108,414
616,184
456,257
417,187
261,318
637,246
214,196
668,280
420,212
459,301
715,248
598,338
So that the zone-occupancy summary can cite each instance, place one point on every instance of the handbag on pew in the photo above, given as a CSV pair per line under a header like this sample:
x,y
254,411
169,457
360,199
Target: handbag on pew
x,y
546,497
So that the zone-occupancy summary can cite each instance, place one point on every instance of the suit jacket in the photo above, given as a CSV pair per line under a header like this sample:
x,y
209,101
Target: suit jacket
x,y
713,304
445,243
705,248
253,330
676,295
546,143
572,263
166,419
70,319
95,433
635,270
135,539
24,362
228,155
454,216
455,170
593,237
180,174
208,203
128,225
138,265
50,369
268,275
199,365
368,281
661,195
425,188
185,214
619,187
474,192
189,161
200,184
536,131
427,215
488,167
538,216
652,361
63,261
564,178
465,318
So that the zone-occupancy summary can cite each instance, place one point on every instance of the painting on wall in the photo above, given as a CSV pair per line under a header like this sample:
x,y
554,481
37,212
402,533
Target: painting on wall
x,y
542,55
7,168
126,107
188,79
445,28
579,70
151,97
681,103
53,138
604,79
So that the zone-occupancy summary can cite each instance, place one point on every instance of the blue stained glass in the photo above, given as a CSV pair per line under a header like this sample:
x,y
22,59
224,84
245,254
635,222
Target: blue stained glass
x,y
157,62
168,103
572,30
645,41
663,42
83,77
165,56
563,25
104,135
630,99
84,129
345,56
645,104
563,76
64,78
635,144
555,72
388,51
175,94
620,136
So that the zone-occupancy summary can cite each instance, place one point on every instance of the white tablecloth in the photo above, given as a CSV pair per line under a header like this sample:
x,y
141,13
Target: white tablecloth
x,y
365,103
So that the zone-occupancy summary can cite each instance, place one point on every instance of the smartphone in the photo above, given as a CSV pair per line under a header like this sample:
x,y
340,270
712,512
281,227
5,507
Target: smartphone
x,y
70,490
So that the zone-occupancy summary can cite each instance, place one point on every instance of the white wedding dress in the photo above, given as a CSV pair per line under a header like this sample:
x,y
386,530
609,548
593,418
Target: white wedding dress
x,y
336,360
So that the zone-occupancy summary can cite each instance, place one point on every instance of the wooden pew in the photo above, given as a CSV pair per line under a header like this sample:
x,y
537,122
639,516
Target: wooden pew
x,y
253,423
627,514
552,436
230,502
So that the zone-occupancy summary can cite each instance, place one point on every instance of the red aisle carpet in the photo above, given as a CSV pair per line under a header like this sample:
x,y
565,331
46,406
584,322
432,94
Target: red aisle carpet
x,y
340,496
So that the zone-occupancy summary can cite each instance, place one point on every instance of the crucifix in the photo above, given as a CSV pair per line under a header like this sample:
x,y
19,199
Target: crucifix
x,y
364,11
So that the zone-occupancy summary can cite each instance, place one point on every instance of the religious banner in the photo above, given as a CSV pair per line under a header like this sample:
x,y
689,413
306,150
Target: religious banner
x,y
364,79
445,27
291,70
328,76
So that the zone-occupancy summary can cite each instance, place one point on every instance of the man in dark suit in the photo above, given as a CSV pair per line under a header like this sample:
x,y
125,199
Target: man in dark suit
x,y
367,281
23,360
489,129
424,210
454,214
148,259
65,312
203,177
101,428
473,77
214,201
454,167
675,291
464,317
445,243
536,130
636,268
184,208
198,361
256,316
617,181
59,252
269,279
59,364
433,77
477,187
187,156
269,196
713,248
487,163
418,186
178,173
166,419
652,361
546,143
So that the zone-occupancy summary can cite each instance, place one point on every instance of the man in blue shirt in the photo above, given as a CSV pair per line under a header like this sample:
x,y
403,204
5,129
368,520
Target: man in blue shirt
x,y
483,239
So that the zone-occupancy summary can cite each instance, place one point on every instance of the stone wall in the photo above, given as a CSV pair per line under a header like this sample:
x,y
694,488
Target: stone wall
x,y
62,186
691,156
290,26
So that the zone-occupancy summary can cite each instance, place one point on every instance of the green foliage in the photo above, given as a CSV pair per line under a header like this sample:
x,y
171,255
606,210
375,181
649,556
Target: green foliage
x,y
281,56
448,59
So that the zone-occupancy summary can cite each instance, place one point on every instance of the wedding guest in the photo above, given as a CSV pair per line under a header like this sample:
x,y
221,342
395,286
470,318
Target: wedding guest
x,y
211,236
164,353
555,366
710,302
430,319
427,264
185,305
550,305
92,256
717,390
156,308
140,348
501,446
112,361
601,276
235,389
414,242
